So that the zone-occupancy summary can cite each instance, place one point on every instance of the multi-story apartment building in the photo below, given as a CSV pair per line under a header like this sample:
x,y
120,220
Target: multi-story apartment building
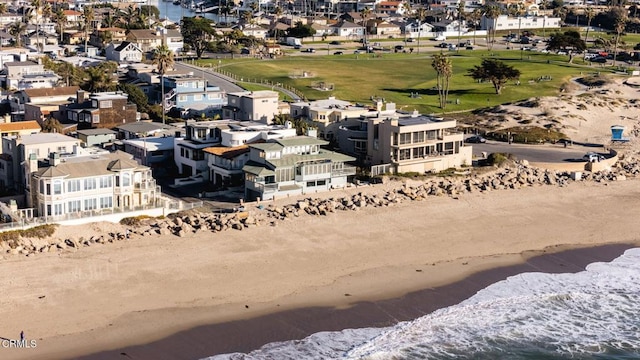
x,y
293,166
504,22
17,149
34,104
416,143
193,96
101,110
28,75
87,184
261,106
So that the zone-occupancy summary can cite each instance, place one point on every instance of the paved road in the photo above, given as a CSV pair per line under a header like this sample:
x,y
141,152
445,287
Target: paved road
x,y
224,83
537,153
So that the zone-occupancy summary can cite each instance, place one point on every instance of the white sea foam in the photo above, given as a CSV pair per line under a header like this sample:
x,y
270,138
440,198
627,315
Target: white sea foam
x,y
527,316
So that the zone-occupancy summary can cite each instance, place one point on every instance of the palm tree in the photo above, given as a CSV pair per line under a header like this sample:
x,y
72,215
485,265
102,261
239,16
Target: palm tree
x,y
421,15
441,63
365,13
560,12
474,17
37,4
460,10
590,13
163,59
88,19
61,20
491,12
620,25
520,11
17,29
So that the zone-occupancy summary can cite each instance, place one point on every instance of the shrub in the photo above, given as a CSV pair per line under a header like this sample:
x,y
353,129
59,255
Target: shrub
x,y
498,158
40,232
134,221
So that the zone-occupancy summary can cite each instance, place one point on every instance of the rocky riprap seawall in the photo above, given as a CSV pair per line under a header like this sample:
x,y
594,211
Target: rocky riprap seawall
x,y
519,175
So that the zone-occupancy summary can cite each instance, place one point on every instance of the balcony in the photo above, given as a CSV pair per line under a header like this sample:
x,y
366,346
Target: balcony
x,y
345,171
265,188
144,185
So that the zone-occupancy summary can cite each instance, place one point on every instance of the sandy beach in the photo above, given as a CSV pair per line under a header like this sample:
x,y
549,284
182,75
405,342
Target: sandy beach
x,y
169,297
131,293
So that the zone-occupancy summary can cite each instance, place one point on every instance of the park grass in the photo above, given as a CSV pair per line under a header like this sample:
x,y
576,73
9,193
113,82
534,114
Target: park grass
x,y
393,77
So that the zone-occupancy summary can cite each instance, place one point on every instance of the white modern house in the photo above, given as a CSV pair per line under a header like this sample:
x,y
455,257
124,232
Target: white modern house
x,y
259,106
293,166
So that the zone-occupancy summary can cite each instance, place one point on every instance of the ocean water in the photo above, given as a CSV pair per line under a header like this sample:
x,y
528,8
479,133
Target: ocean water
x,y
593,314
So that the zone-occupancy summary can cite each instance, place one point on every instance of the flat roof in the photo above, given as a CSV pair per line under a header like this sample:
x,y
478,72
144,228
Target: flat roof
x,y
152,143
41,138
96,132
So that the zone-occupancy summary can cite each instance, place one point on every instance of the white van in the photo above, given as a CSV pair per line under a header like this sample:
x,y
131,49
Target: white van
x,y
440,38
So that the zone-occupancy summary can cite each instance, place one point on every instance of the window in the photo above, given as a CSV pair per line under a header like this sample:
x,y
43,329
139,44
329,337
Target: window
x,y
432,134
95,118
105,182
182,151
41,186
197,97
311,183
89,184
321,182
73,206
126,179
212,96
418,137
418,152
48,188
90,204
57,187
58,209
106,202
182,98
405,138
405,154
106,104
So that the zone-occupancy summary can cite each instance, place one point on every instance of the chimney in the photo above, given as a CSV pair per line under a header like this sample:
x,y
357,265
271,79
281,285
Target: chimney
x,y
81,96
54,159
33,163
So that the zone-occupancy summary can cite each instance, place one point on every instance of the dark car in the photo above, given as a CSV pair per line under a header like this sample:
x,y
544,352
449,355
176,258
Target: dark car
x,y
477,139
469,47
309,50
412,40
399,47
443,45
335,42
338,53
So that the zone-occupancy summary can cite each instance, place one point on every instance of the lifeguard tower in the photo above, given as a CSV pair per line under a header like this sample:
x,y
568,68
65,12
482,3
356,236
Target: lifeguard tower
x,y
617,132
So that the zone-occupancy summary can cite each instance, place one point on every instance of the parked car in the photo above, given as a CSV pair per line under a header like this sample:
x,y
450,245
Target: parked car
x,y
592,157
297,47
443,45
399,47
338,53
335,42
477,139
412,40
469,47
309,50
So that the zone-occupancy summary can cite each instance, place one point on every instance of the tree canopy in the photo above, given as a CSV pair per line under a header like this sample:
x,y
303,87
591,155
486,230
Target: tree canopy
x,y
197,32
300,30
495,71
567,40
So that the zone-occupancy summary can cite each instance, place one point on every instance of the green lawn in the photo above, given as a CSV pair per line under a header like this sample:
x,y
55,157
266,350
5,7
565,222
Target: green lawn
x,y
394,77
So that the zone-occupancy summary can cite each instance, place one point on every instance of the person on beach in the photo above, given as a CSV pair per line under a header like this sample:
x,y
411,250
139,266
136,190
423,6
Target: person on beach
x,y
21,335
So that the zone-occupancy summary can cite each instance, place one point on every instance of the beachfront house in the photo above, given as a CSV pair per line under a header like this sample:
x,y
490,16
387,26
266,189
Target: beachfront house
x,y
88,183
19,148
415,143
293,166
